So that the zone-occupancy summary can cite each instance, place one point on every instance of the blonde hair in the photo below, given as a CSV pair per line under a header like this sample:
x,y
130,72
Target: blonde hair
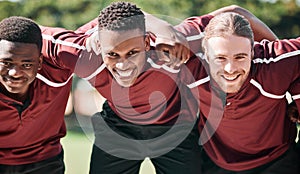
x,y
228,23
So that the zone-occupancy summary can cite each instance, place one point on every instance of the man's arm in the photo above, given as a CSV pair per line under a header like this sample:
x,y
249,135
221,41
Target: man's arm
x,y
293,110
175,44
59,46
67,49
260,29
194,26
171,45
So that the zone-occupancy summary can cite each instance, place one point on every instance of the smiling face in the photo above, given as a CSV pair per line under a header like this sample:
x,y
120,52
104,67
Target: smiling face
x,y
19,63
124,54
229,59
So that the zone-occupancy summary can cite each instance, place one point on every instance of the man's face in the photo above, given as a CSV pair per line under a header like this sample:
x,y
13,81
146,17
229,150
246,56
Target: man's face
x,y
124,54
19,63
229,59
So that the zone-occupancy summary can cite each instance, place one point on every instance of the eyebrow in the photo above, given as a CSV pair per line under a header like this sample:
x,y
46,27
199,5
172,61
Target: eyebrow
x,y
241,54
26,60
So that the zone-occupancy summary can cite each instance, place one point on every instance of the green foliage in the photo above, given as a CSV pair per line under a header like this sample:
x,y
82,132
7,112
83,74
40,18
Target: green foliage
x,y
282,16
9,9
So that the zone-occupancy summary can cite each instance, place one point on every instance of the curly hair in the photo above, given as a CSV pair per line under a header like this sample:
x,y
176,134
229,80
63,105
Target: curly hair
x,y
21,29
121,16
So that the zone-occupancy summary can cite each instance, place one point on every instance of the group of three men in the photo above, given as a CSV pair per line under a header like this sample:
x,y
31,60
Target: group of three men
x,y
231,96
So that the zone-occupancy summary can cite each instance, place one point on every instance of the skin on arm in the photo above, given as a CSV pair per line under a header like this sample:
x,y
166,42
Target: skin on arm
x,y
260,29
174,47
292,112
171,45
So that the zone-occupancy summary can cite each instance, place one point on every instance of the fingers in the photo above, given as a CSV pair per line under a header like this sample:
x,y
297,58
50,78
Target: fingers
x,y
173,56
295,120
93,44
88,44
292,112
182,54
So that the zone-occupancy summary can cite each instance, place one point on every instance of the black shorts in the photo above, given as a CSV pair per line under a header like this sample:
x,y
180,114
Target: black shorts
x,y
54,165
288,163
121,146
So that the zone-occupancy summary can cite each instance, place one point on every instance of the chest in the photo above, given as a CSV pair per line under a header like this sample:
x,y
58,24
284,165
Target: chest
x,y
248,104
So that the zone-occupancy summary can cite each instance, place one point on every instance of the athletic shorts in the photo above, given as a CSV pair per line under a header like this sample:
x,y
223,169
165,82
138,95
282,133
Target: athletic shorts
x,y
288,163
121,146
54,165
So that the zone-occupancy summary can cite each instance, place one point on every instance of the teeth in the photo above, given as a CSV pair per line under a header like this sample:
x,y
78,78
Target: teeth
x,y
230,77
124,73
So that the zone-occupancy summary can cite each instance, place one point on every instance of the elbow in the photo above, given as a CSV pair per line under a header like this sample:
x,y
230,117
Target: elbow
x,y
235,8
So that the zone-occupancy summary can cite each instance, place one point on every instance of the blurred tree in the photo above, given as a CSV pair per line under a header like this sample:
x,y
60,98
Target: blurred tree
x,y
8,8
288,24
280,15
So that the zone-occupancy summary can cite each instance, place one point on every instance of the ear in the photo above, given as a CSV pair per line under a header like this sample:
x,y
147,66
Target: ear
x,y
98,47
147,42
252,54
40,62
205,56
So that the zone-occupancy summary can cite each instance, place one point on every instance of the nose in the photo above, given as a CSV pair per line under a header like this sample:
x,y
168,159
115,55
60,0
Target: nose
x,y
13,71
122,64
230,67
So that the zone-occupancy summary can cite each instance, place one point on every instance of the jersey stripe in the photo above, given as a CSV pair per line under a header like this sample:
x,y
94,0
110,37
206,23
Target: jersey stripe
x,y
163,66
92,30
264,93
201,56
95,72
283,56
70,44
195,37
199,82
53,84
295,97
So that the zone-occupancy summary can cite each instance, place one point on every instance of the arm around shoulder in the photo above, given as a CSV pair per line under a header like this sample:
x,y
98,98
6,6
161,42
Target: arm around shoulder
x,y
260,29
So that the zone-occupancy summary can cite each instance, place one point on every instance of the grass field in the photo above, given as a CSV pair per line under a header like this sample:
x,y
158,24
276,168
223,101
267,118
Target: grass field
x,y
77,148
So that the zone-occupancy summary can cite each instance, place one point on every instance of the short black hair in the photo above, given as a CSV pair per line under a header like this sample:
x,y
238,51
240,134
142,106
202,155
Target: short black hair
x,y
21,29
120,16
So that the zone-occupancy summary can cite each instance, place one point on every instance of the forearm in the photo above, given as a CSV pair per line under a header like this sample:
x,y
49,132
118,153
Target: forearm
x,y
89,27
164,32
61,47
294,109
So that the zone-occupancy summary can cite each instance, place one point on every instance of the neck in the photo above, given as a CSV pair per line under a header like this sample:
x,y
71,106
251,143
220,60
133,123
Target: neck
x,y
16,96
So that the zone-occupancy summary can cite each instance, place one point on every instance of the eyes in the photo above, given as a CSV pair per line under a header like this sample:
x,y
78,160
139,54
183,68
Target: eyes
x,y
9,64
130,54
224,58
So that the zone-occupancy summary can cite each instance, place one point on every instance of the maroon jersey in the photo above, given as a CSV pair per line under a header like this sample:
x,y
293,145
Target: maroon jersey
x,y
249,128
157,96
31,131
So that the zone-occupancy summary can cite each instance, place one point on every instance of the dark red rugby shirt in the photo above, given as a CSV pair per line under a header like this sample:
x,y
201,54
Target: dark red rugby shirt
x,y
249,128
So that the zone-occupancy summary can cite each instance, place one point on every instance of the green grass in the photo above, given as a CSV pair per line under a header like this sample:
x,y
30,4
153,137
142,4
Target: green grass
x,y
77,150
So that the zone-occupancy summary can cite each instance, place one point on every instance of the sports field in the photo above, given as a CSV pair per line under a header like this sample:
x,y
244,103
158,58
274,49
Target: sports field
x,y
78,146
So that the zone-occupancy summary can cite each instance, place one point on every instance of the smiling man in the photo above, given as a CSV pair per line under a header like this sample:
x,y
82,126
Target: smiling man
x,y
20,63
124,54
146,113
243,122
143,102
33,95
148,106
229,61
